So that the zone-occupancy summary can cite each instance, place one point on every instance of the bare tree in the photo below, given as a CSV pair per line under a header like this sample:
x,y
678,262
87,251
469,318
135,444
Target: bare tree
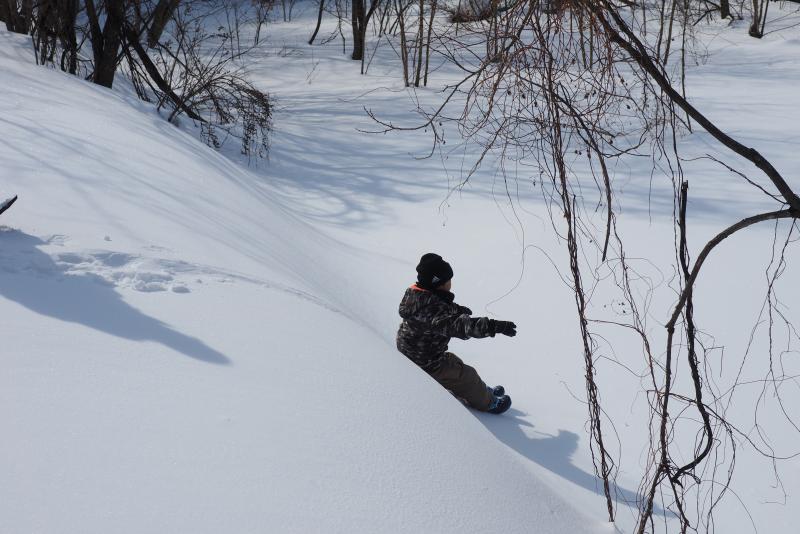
x,y
55,33
172,57
287,7
361,14
160,18
18,15
263,8
600,80
197,73
320,11
760,9
105,40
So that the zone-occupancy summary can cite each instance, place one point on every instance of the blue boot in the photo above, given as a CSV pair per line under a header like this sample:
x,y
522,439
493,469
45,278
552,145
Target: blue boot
x,y
497,391
500,404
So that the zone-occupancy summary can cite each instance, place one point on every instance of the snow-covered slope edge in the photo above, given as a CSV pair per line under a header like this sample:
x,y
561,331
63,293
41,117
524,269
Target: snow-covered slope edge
x,y
180,354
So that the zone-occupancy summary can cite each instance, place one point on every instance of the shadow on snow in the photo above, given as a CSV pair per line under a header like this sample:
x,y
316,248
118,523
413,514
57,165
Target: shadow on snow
x,y
554,453
31,278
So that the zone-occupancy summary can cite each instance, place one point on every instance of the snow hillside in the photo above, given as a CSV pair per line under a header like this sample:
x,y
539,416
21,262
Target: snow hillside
x,y
190,345
381,193
181,353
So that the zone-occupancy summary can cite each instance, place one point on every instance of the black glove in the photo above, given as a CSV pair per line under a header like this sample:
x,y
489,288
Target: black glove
x,y
507,328
464,310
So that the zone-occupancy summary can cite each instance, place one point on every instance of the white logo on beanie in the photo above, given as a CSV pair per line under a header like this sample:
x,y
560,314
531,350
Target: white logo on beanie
x,y
435,279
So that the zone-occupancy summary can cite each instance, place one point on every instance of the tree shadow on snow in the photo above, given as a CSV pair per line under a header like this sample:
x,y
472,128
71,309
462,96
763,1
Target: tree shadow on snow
x,y
554,453
33,279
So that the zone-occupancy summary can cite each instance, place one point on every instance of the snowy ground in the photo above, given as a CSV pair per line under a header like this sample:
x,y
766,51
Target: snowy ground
x,y
193,346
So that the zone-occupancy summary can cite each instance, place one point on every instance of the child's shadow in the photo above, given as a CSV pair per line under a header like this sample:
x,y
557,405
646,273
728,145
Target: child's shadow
x,y
554,453
33,279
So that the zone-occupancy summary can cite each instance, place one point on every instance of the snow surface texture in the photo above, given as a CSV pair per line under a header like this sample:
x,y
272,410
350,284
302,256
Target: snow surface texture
x,y
181,354
192,346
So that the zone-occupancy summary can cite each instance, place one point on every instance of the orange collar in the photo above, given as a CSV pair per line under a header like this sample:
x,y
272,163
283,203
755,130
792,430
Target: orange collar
x,y
415,287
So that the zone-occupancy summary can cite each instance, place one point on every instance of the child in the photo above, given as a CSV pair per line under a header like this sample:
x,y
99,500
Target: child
x,y
430,319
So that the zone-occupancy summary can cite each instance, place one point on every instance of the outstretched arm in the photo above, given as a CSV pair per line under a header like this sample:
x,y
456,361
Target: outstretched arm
x,y
458,323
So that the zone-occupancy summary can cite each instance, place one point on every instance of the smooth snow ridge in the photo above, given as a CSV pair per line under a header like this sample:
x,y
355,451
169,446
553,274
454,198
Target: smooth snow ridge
x,y
181,353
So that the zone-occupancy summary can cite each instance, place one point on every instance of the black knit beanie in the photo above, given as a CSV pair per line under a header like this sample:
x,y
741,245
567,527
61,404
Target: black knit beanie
x,y
433,271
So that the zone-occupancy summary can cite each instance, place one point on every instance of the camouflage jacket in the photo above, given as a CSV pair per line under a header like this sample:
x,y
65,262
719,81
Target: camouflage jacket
x,y
430,319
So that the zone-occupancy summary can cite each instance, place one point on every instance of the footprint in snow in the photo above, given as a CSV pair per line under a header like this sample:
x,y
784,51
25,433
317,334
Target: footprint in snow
x,y
122,270
77,287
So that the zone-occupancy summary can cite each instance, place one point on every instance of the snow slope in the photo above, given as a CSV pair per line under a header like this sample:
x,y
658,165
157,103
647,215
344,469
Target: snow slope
x,y
182,353
381,193
191,346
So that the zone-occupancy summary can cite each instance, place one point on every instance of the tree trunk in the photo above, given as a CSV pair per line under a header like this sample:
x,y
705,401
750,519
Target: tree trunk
x,y
105,42
14,18
319,21
5,13
759,18
132,41
69,37
725,9
26,16
403,42
428,43
358,18
161,15
420,42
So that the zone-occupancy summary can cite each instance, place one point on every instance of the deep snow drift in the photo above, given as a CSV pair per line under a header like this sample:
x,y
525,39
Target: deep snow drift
x,y
193,346
182,354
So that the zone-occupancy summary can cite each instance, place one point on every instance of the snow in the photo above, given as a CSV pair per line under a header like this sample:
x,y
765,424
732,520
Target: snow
x,y
182,353
191,345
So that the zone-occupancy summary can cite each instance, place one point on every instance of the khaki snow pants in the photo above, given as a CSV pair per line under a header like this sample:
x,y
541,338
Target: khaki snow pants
x,y
462,380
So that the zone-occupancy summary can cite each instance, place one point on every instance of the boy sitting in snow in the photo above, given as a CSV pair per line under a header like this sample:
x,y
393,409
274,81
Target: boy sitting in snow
x,y
430,319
